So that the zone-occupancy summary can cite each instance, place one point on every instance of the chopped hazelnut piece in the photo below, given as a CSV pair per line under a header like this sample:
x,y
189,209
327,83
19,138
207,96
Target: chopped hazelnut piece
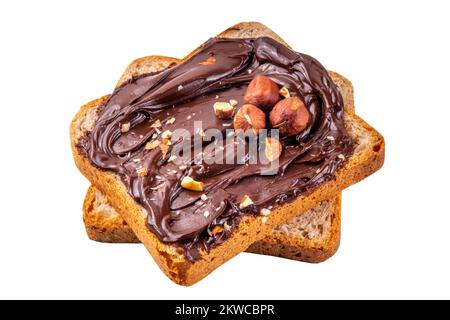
x,y
341,156
284,92
331,138
209,61
216,230
265,212
156,124
125,127
152,144
171,121
191,184
245,202
172,158
273,149
164,148
233,103
204,197
166,135
206,214
223,110
226,226
264,220
142,172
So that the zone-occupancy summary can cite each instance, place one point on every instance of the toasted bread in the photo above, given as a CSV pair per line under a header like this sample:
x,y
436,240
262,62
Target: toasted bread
x,y
367,157
312,236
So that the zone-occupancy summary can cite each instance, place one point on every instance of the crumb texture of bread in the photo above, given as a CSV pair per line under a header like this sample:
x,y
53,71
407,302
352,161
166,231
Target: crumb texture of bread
x,y
310,225
313,236
367,158
102,222
309,236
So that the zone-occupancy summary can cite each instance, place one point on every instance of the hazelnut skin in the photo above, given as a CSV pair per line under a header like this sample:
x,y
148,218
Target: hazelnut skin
x,y
290,116
262,92
249,117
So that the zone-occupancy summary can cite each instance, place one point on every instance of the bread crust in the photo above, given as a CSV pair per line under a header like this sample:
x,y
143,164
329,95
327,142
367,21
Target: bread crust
x,y
287,246
367,158
104,224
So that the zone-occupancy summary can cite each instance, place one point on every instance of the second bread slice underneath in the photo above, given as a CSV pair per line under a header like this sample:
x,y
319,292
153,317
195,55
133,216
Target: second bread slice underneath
x,y
311,237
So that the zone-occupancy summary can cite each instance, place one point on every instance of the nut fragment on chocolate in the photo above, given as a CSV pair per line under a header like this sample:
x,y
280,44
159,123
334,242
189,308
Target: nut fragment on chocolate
x,y
265,212
142,172
171,121
290,116
164,147
166,135
172,158
226,226
245,202
223,110
209,61
284,92
156,124
249,117
262,92
273,149
125,127
191,184
216,230
152,144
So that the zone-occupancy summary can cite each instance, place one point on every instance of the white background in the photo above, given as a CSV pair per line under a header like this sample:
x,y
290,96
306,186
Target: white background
x,y
56,56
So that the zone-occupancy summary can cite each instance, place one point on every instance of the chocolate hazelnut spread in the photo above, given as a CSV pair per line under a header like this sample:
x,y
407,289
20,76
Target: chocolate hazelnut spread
x,y
146,108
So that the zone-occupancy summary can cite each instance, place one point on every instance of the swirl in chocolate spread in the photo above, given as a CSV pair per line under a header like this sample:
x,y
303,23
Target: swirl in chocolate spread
x,y
187,93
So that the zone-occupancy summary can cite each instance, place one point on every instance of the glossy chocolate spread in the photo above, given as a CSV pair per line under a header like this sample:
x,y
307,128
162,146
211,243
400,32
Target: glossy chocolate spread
x,y
185,93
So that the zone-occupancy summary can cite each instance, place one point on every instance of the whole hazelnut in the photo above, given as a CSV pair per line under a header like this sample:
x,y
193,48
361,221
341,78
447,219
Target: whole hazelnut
x,y
262,92
249,117
290,116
